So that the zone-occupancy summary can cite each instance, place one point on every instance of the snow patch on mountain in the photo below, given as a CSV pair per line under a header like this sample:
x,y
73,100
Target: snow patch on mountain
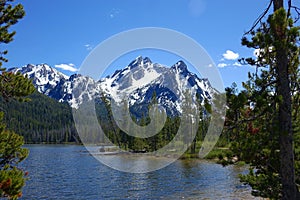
x,y
136,83
44,77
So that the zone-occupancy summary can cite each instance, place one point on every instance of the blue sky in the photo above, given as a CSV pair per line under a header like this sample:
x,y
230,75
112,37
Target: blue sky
x,y
62,33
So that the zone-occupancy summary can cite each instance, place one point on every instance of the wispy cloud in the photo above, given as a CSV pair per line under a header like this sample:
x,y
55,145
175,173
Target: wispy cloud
x,y
197,7
230,55
221,65
114,12
68,67
237,64
88,47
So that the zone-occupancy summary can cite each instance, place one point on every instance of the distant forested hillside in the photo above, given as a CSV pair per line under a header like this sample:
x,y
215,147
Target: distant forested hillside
x,y
40,120
45,120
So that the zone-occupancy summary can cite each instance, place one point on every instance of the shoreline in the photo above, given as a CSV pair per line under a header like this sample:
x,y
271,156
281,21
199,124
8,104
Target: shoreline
x,y
217,155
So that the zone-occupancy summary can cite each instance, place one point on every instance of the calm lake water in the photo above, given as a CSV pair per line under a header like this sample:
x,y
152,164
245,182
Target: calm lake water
x,y
66,172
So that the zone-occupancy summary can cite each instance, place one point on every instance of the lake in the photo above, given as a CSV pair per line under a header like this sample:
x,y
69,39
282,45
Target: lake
x,y
67,172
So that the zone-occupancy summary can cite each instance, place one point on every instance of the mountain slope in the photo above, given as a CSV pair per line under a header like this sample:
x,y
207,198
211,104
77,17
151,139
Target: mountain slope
x,y
44,77
42,119
137,83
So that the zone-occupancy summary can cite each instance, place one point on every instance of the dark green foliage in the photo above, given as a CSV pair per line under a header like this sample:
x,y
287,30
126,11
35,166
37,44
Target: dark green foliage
x,y
11,153
12,87
10,148
44,120
15,86
270,93
10,14
12,181
254,138
151,144
41,120
271,187
127,142
254,119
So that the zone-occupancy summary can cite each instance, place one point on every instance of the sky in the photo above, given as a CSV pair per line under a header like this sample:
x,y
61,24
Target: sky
x,y
62,33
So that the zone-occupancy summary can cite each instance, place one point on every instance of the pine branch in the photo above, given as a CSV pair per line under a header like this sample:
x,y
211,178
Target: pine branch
x,y
250,119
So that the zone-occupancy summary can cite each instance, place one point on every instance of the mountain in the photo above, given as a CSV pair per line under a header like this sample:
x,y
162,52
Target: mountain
x,y
44,77
142,78
140,81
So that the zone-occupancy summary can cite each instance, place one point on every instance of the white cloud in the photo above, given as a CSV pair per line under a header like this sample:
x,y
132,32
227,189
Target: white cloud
x,y
68,67
221,65
230,55
88,47
237,64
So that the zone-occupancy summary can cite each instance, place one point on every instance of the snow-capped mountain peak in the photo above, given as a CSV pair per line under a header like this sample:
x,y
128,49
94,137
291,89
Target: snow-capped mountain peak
x,y
44,77
140,62
180,66
136,83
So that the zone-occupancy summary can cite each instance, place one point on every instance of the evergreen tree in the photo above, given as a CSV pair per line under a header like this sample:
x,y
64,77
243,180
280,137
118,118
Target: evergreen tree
x,y
12,86
10,15
262,114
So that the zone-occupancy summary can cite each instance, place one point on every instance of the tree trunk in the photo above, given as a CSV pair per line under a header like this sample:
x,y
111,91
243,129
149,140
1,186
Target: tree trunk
x,y
287,170
285,129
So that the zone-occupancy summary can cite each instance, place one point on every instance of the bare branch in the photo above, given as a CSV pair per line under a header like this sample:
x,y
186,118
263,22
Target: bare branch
x,y
289,8
259,19
297,10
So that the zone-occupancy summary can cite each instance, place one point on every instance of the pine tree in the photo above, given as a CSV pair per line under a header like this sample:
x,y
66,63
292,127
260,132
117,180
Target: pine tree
x,y
12,86
265,112
9,16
